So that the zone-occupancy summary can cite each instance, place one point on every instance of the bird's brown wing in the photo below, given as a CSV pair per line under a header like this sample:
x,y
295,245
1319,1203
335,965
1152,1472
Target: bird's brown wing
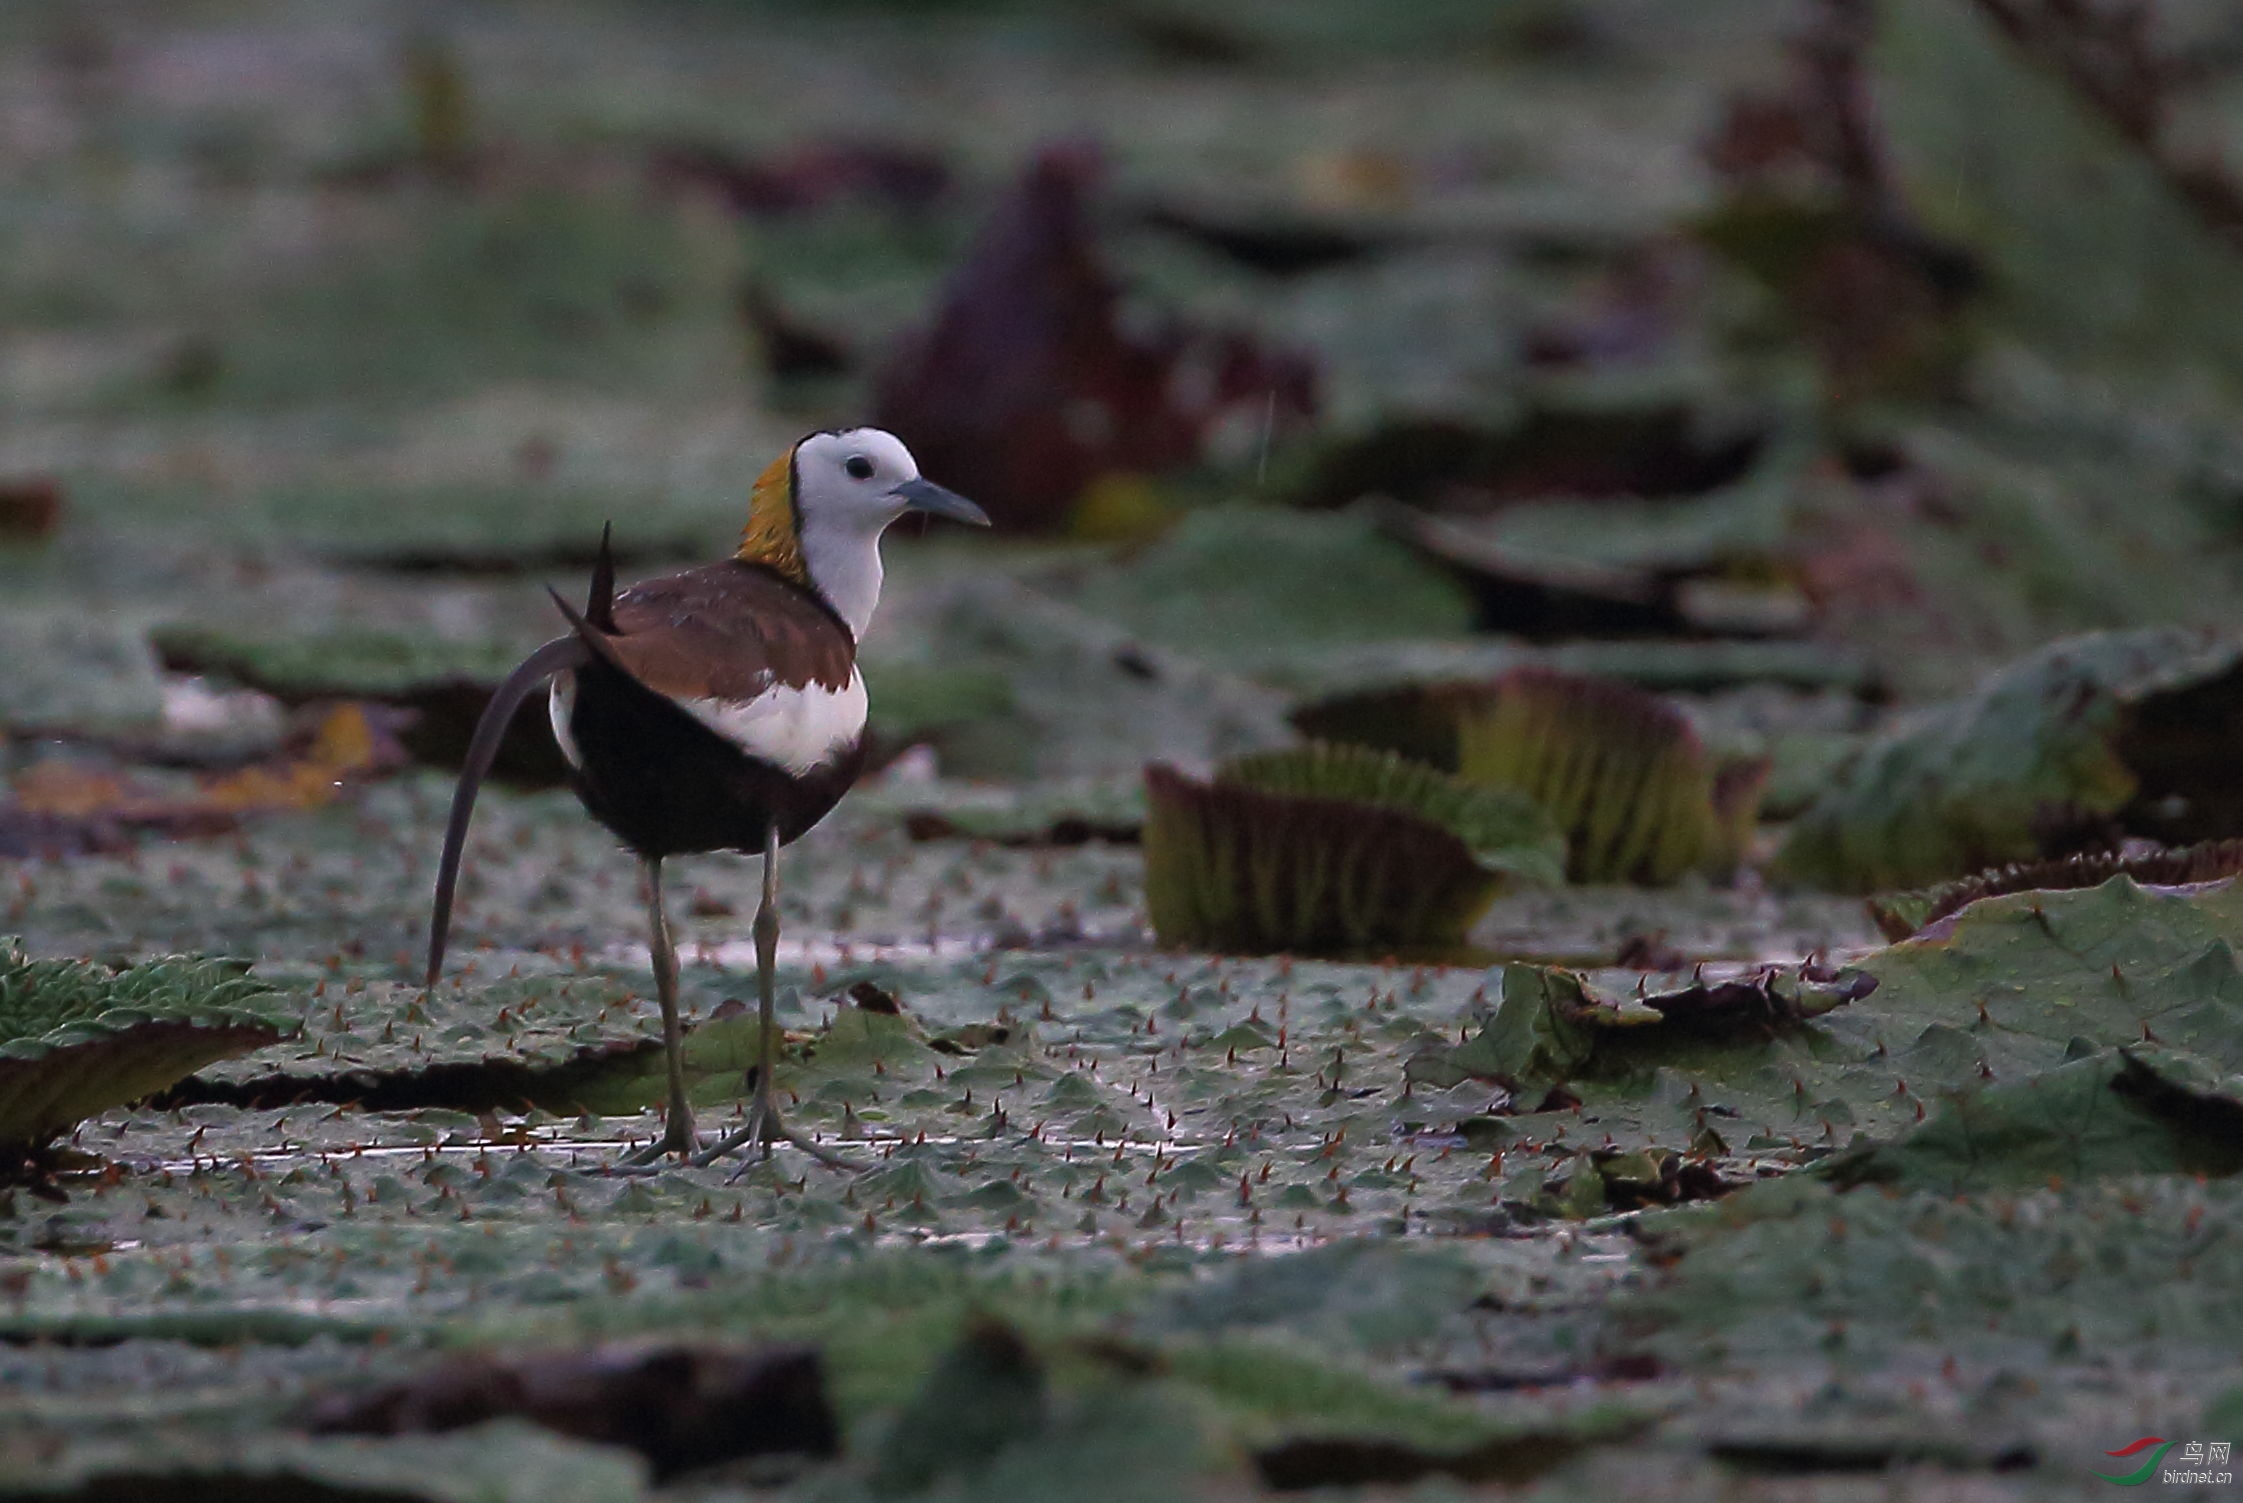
x,y
728,632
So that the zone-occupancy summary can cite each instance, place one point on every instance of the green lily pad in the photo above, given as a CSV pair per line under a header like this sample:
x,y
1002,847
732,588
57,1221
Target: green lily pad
x,y
2035,978
1332,849
1622,772
1237,584
78,1038
501,1463
916,701
1901,915
2083,730
985,1393
341,663
1055,811
1083,696
1986,1018
444,683
565,1043
2111,1114
1363,672
1999,153
70,670
1359,1294
1502,827
1796,1276
1553,1025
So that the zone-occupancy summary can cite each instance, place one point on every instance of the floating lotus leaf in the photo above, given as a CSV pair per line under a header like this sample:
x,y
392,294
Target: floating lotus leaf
x,y
987,1392
2103,1276
1978,1024
345,662
1332,849
567,1043
2114,731
77,670
919,701
1501,828
77,1038
1417,721
2127,287
1246,584
681,1407
2116,1112
2036,979
1637,794
445,683
1051,812
1365,672
1553,1023
1902,915
1028,682
505,1462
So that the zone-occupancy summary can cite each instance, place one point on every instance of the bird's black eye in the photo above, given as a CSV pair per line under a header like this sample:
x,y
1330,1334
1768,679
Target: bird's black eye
x,y
859,467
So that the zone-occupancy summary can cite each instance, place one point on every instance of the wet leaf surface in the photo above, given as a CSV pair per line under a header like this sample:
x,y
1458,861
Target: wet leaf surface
x,y
77,1039
681,1408
2043,748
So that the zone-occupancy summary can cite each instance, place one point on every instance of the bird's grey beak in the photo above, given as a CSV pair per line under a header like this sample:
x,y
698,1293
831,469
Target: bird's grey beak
x,y
919,494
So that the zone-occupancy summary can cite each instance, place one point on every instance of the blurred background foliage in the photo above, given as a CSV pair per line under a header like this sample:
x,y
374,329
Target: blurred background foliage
x,y
1804,361
1698,464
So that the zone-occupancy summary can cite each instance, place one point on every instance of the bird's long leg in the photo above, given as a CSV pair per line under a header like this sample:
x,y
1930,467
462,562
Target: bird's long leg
x,y
677,1136
765,1126
766,1108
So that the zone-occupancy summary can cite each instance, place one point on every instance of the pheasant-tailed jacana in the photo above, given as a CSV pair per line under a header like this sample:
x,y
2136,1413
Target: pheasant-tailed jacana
x,y
720,709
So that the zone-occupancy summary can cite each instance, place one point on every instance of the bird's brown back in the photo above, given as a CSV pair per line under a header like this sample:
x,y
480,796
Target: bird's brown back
x,y
729,631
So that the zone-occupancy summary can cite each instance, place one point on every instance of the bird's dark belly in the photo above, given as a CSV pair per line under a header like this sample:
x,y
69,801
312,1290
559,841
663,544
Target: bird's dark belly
x,y
668,785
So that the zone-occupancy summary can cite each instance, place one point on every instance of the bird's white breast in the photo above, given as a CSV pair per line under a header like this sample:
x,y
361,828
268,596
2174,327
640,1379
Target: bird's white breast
x,y
560,705
796,729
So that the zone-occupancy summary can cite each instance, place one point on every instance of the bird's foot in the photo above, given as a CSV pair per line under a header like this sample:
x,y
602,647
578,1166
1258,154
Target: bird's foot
x,y
765,1128
678,1137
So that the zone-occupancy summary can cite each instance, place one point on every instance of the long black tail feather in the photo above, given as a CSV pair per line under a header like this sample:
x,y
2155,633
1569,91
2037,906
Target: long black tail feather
x,y
589,636
599,605
558,656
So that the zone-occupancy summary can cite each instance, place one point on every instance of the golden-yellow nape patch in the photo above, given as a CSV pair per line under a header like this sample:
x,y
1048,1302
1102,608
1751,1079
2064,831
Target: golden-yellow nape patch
x,y
771,538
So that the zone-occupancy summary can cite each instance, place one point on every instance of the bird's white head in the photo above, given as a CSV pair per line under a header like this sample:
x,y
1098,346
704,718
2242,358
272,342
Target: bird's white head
x,y
818,514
